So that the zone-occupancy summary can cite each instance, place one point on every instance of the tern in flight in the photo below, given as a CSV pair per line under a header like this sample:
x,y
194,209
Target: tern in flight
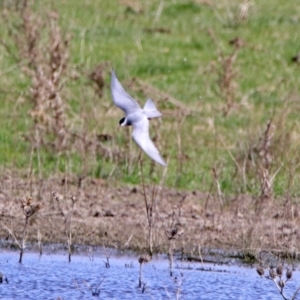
x,y
137,117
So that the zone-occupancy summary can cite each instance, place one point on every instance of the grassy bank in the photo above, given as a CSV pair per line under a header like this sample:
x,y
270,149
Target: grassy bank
x,y
219,71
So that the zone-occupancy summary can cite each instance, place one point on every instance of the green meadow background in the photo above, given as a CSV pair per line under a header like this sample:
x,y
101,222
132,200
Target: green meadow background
x,y
219,71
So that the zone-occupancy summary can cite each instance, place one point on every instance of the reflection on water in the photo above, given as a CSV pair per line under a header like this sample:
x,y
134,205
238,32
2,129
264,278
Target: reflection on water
x,y
52,277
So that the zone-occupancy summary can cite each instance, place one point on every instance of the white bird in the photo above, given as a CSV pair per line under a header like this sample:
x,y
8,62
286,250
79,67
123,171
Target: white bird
x,y
137,117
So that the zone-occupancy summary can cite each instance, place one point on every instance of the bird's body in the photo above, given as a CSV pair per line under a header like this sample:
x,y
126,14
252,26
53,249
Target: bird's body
x,y
137,117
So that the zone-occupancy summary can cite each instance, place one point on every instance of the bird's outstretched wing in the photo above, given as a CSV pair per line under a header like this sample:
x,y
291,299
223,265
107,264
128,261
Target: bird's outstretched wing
x,y
121,98
150,110
140,135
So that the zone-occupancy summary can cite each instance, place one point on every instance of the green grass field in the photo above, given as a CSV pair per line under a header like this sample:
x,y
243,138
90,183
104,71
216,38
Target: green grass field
x,y
216,98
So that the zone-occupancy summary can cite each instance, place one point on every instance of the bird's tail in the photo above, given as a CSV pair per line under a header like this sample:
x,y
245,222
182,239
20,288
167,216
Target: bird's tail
x,y
150,110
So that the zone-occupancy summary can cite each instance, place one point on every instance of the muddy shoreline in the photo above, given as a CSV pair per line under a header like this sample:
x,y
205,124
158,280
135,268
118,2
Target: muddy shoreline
x,y
114,216
208,255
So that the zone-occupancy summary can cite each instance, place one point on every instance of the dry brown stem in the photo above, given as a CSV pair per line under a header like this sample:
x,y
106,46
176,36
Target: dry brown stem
x,y
67,217
150,208
172,229
227,73
29,209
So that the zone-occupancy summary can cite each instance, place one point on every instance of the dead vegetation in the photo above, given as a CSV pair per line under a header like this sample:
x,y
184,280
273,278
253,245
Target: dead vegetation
x,y
29,209
67,213
40,48
235,14
280,275
227,72
94,289
173,230
205,224
42,55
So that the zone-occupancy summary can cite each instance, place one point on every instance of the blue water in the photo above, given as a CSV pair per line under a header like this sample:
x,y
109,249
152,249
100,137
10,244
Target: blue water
x,y
52,277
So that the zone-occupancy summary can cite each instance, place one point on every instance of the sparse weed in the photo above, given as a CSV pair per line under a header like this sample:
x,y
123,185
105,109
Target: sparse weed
x,y
3,278
29,208
143,259
227,73
66,214
173,230
205,89
178,284
216,100
235,14
107,251
279,278
95,290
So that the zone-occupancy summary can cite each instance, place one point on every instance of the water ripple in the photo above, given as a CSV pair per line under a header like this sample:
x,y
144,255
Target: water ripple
x,y
52,277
